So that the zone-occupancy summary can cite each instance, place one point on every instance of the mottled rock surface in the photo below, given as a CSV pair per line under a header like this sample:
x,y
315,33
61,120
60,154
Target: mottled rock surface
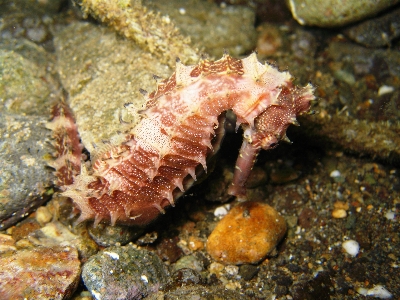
x,y
40,273
27,83
247,234
376,32
124,273
211,26
101,79
27,89
24,177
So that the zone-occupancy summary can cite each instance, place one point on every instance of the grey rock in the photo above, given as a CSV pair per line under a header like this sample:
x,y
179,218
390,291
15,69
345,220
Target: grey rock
x,y
334,13
27,83
124,273
24,177
106,235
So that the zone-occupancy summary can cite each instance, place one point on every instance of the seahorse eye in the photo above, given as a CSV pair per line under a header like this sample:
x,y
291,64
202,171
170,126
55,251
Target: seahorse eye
x,y
269,142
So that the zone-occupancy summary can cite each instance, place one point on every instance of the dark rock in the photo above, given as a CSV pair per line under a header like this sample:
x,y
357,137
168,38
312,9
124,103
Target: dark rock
x,y
247,272
106,235
124,273
186,276
168,250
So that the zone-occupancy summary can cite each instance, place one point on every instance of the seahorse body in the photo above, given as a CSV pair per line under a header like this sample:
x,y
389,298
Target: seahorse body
x,y
135,181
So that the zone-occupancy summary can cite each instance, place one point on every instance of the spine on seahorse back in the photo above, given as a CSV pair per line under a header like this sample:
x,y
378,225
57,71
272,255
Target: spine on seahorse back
x,y
133,182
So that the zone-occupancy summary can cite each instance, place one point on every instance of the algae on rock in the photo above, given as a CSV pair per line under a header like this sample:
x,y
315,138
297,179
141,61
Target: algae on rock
x,y
155,33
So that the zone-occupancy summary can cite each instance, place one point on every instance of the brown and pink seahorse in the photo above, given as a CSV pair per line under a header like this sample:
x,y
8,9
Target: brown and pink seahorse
x,y
133,182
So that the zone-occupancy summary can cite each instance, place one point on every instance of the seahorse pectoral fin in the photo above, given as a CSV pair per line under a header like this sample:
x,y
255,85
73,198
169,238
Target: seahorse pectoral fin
x,y
244,164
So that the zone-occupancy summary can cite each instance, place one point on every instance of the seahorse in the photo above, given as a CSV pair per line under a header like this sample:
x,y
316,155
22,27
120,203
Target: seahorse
x,y
133,182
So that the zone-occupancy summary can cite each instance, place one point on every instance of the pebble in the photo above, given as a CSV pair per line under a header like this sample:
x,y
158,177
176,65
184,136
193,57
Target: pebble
x,y
7,243
124,273
186,276
190,262
221,211
43,215
377,291
247,234
195,243
380,292
169,250
232,270
55,233
247,272
339,213
385,89
216,268
390,215
106,235
40,273
351,247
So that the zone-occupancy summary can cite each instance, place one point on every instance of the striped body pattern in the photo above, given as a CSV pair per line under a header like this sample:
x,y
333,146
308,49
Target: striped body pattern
x,y
133,182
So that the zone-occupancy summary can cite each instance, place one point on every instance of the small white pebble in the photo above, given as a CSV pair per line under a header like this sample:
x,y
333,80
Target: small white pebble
x,y
385,89
380,292
362,291
144,279
113,255
232,270
221,211
351,247
390,215
335,173
182,11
